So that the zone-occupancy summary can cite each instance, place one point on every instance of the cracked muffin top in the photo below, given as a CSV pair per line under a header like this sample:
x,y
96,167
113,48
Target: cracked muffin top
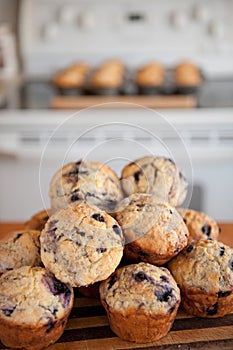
x,y
142,287
81,244
92,181
206,265
19,248
157,175
33,296
154,231
200,225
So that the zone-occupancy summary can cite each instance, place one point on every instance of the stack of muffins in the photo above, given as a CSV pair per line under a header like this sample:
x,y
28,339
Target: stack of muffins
x,y
129,237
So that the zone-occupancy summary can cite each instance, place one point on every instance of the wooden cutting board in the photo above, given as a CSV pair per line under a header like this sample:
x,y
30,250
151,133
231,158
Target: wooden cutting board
x,y
88,329
119,102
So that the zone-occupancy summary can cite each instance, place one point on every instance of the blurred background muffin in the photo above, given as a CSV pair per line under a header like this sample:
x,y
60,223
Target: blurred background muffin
x,y
150,77
71,80
108,78
187,76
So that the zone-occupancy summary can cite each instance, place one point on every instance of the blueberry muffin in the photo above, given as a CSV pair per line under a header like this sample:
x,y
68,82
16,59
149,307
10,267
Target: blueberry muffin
x,y
141,301
19,248
38,221
200,225
34,307
93,181
154,231
204,273
157,175
81,244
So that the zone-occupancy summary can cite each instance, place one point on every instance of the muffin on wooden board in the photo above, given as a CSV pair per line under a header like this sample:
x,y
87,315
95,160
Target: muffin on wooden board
x,y
154,231
204,273
19,248
200,225
34,308
71,79
81,244
115,65
141,301
150,77
187,75
107,78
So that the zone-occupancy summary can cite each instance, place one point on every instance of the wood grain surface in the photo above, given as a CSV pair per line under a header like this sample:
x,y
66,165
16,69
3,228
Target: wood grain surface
x,y
88,327
154,102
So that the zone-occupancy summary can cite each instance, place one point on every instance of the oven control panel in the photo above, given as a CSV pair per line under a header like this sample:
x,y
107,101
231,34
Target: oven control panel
x,y
132,30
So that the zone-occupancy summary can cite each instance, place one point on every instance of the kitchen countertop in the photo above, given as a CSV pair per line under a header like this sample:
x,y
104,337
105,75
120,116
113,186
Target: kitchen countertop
x,y
88,327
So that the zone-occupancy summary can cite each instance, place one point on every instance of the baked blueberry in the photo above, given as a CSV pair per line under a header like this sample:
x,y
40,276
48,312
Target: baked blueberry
x,y
98,217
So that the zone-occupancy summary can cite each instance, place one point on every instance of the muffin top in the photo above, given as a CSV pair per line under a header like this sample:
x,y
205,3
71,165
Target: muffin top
x,y
33,296
152,226
93,181
152,67
188,79
157,175
206,265
200,225
115,65
106,78
187,66
187,74
81,244
79,67
71,77
19,248
141,288
151,74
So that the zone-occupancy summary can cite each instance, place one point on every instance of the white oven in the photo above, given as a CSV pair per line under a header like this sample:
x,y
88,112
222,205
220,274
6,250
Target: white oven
x,y
34,144
55,33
